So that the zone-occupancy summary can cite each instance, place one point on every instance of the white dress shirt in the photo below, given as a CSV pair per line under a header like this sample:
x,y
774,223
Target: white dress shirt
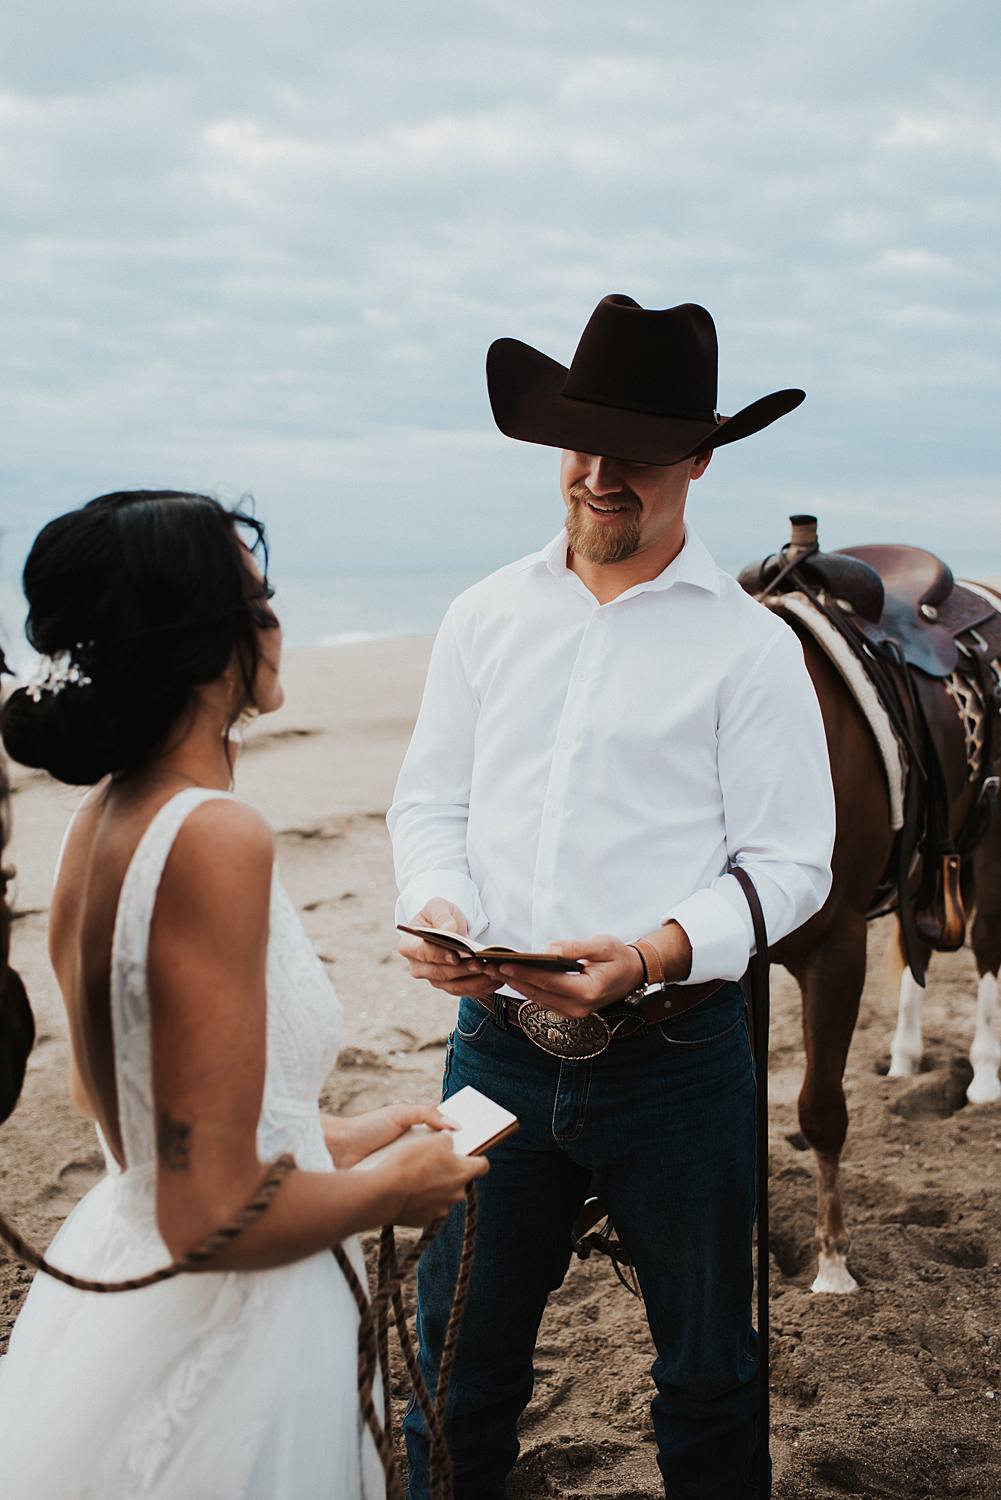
x,y
581,768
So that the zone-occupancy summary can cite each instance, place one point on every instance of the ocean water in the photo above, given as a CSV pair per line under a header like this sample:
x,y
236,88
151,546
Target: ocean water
x,y
333,610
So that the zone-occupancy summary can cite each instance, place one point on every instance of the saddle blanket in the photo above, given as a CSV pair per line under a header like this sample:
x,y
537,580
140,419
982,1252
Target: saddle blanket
x,y
843,658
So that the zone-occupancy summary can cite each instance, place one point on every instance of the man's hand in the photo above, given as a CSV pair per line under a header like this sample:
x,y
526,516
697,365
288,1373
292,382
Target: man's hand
x,y
613,970
444,970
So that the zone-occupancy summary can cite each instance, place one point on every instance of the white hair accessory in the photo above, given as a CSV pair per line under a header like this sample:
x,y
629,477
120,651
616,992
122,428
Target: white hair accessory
x,y
53,673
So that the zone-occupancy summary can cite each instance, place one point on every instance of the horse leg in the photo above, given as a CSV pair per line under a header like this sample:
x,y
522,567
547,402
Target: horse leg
x,y
985,1050
907,1046
831,978
985,939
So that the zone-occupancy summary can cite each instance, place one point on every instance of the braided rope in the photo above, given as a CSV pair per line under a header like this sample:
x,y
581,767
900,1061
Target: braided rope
x,y
373,1347
387,1270
368,1355
440,1458
195,1260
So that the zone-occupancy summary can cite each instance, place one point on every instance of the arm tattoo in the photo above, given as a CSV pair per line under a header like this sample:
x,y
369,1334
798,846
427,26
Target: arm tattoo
x,y
173,1143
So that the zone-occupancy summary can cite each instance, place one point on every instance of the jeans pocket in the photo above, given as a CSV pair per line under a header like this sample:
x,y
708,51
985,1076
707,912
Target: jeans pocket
x,y
712,1021
472,1021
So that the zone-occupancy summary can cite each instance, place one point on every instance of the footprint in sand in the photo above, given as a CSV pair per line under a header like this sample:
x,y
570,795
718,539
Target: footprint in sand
x,y
334,828
71,1182
261,741
923,1209
935,1095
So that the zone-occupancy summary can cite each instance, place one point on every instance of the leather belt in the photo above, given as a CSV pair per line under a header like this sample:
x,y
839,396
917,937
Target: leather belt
x,y
583,1037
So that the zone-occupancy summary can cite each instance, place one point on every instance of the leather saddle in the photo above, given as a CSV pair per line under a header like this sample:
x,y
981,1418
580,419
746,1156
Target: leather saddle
x,y
924,609
930,646
898,595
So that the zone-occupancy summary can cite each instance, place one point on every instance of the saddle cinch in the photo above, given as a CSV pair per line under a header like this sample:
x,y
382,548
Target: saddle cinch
x,y
931,649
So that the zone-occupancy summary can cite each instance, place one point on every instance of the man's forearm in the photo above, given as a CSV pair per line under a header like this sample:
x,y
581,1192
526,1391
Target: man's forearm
x,y
671,945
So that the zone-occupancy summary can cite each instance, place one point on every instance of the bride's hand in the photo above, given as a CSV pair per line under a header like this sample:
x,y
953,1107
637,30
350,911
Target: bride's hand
x,y
429,1177
349,1139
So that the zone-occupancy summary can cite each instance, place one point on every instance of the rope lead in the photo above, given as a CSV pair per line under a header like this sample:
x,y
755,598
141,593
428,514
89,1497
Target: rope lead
x,y
197,1259
373,1348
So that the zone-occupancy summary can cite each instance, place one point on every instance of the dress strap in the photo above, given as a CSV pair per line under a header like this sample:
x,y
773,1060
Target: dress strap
x,y
137,897
129,951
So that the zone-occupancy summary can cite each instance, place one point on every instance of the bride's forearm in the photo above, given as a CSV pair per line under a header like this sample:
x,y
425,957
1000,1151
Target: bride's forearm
x,y
311,1212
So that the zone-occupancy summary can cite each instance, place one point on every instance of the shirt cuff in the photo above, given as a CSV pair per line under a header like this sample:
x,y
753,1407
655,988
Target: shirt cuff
x,y
451,885
719,935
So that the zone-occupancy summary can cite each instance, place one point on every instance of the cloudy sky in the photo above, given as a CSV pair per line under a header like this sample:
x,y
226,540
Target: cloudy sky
x,y
262,245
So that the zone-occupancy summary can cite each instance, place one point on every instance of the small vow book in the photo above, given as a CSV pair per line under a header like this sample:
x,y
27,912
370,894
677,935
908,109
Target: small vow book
x,y
469,948
482,1123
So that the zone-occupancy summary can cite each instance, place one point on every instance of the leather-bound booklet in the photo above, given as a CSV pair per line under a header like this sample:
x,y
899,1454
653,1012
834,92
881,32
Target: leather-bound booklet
x,y
468,948
482,1123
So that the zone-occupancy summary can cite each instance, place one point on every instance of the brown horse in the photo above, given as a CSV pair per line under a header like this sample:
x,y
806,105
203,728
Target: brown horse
x,y
827,956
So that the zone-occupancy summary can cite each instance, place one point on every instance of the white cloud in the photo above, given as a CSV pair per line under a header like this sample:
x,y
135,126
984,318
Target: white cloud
x,y
926,317
914,262
964,131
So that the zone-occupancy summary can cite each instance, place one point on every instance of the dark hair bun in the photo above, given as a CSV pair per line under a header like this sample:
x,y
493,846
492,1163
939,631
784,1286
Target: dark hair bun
x,y
149,594
64,733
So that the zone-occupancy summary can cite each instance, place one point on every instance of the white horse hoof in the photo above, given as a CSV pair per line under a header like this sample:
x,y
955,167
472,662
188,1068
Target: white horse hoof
x,y
833,1274
984,1090
903,1065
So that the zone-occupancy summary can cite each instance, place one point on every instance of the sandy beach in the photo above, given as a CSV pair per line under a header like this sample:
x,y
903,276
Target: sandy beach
x,y
895,1391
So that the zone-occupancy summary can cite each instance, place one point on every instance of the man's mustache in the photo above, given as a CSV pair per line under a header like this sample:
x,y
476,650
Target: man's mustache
x,y
581,494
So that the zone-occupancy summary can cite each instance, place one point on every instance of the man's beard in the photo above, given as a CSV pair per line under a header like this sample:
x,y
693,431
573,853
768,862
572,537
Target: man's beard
x,y
601,541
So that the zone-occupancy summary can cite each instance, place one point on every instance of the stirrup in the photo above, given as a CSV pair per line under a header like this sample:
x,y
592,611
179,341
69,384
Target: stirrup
x,y
942,923
593,1230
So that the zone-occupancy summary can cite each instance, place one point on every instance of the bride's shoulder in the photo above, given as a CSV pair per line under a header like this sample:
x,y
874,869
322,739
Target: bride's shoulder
x,y
223,829
213,891
223,845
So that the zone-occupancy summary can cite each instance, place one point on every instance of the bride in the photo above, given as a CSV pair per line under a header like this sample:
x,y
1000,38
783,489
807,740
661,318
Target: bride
x,y
202,1025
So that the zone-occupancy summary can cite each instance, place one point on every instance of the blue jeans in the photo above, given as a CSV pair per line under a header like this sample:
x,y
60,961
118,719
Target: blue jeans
x,y
661,1128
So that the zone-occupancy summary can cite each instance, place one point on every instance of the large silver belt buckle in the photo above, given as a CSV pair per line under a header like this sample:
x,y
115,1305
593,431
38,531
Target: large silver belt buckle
x,y
577,1037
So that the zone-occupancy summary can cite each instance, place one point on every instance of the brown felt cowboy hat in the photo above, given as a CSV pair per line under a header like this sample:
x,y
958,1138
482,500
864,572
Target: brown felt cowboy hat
x,y
641,387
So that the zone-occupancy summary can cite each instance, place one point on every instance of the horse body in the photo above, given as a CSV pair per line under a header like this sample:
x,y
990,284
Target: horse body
x,y
827,956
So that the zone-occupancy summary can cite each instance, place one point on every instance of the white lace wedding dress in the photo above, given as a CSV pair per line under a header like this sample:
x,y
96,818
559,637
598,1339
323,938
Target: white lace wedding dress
x,y
220,1386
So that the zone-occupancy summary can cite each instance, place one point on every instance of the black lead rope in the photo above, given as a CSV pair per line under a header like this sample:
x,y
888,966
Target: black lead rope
x,y
759,1004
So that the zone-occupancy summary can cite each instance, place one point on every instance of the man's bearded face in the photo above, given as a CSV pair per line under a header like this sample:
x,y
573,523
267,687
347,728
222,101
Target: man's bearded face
x,y
602,528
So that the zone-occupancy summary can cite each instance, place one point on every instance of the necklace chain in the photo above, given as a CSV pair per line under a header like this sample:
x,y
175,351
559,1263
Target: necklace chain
x,y
169,771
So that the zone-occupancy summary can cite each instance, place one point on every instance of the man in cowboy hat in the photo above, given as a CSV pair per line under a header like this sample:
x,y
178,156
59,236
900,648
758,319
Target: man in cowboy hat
x,y
609,726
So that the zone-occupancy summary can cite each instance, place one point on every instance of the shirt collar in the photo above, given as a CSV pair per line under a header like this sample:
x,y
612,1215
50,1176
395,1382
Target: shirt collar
x,y
694,564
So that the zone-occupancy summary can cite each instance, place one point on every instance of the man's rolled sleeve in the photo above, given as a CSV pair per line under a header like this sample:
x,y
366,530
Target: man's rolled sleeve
x,y
719,938
775,777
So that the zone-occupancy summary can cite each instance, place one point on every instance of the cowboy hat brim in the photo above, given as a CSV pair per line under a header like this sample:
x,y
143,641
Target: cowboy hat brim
x,y
527,400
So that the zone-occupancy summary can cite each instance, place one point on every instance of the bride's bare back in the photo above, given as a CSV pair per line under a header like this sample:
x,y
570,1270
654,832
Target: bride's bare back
x,y
99,847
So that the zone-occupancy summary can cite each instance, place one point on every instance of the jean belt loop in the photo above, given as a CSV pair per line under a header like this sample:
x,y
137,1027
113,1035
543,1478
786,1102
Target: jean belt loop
x,y
500,1012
